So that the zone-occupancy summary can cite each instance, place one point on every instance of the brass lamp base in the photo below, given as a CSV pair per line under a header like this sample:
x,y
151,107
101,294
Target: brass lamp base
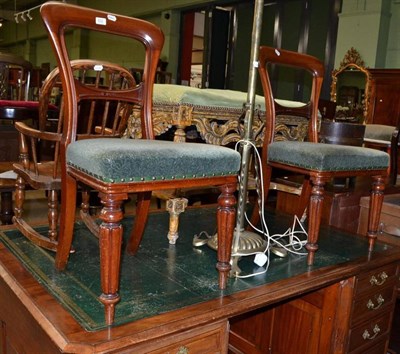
x,y
249,242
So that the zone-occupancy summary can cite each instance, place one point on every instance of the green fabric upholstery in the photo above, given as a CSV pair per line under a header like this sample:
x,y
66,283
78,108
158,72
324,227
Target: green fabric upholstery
x,y
327,157
378,133
123,160
214,98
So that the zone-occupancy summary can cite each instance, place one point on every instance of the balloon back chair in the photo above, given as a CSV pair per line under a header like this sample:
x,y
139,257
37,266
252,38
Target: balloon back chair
x,y
385,138
39,148
116,167
318,162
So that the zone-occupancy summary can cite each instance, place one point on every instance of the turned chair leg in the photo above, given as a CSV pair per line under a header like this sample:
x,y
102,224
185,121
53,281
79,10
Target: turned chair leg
x,y
52,214
225,227
19,197
314,216
110,243
375,208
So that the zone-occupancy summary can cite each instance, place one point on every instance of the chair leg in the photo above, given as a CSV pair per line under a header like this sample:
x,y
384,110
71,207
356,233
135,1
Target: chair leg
x,y
304,197
19,197
67,220
52,214
375,208
89,221
28,231
314,216
110,243
226,224
139,224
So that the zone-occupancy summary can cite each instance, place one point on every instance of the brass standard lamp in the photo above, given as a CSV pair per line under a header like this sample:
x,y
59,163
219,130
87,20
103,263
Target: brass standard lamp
x,y
246,242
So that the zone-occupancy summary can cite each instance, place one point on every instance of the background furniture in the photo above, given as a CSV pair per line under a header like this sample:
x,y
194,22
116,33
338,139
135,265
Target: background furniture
x,y
14,106
384,97
389,222
41,169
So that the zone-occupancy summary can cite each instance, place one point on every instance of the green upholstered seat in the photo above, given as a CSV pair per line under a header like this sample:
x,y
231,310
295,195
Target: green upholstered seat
x,y
124,160
327,157
378,133
220,99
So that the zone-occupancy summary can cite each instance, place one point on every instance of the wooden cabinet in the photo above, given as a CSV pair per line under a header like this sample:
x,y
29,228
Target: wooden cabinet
x,y
384,96
353,316
303,325
373,304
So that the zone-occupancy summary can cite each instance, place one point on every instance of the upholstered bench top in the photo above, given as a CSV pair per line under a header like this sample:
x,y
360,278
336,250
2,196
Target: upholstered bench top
x,y
224,99
327,157
378,133
123,160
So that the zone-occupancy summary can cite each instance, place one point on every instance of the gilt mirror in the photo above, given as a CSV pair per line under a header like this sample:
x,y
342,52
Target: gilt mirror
x,y
349,89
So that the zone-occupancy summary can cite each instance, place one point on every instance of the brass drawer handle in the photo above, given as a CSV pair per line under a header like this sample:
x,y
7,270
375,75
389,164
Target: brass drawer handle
x,y
371,306
376,331
182,350
382,276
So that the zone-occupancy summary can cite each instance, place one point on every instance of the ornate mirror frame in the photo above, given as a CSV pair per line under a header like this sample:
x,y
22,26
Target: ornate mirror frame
x,y
352,59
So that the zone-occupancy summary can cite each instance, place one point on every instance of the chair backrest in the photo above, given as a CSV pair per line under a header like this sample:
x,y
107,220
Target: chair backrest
x,y
107,117
269,56
15,74
60,17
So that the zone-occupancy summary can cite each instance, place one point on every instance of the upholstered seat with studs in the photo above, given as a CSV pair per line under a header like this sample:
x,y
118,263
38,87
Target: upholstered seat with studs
x,y
134,160
324,157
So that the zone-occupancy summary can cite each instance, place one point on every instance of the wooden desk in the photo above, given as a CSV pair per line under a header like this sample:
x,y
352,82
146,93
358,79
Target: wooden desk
x,y
333,309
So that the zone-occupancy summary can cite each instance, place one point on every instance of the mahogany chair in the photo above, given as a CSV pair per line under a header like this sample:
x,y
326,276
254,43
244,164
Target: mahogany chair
x,y
386,138
39,165
117,167
318,162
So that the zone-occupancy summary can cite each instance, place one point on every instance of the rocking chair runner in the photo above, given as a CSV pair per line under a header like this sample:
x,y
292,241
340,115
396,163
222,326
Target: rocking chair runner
x,y
116,167
43,172
317,161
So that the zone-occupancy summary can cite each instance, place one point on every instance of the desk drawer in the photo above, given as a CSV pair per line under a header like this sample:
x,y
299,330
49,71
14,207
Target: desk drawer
x,y
376,280
374,303
207,339
369,333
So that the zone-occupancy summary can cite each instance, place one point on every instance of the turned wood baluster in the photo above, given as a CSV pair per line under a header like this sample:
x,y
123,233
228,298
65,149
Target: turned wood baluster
x,y
375,208
20,183
19,197
110,241
314,216
226,224
52,213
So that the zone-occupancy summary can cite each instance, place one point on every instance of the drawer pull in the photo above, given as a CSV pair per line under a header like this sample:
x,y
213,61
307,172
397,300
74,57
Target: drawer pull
x,y
371,306
182,350
366,335
382,278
